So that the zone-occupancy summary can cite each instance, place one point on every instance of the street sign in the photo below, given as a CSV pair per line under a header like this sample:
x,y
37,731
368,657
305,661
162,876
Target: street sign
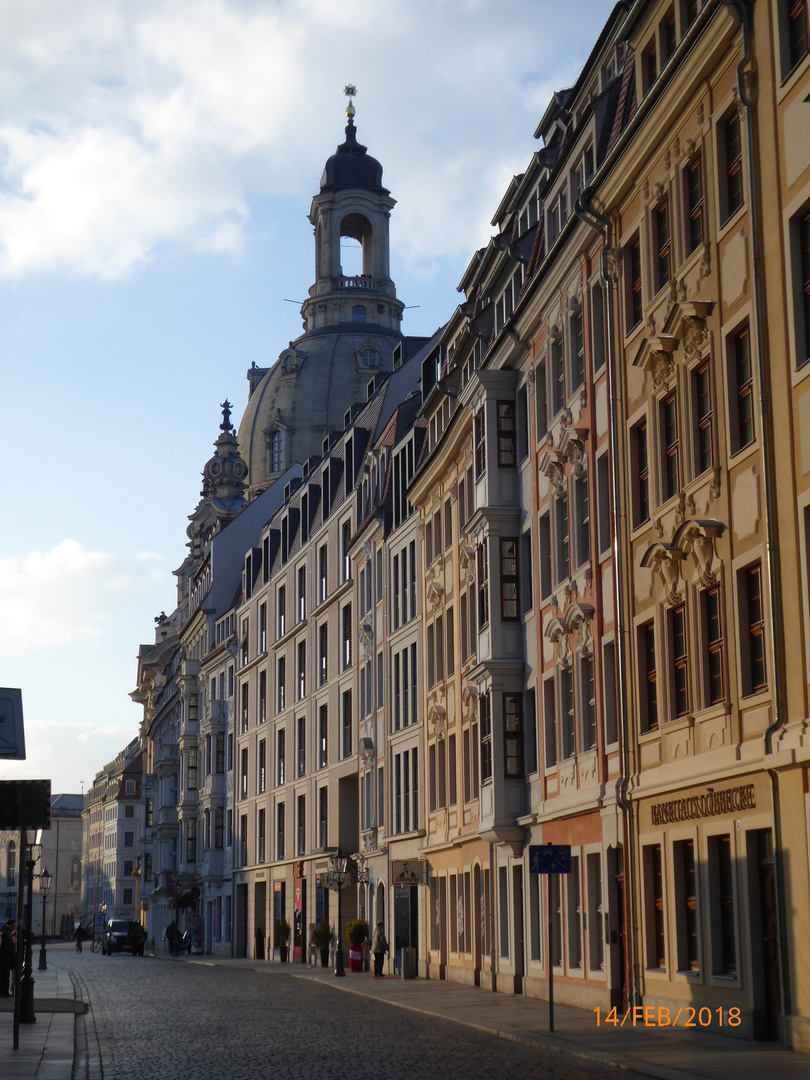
x,y
335,880
550,858
12,735
25,804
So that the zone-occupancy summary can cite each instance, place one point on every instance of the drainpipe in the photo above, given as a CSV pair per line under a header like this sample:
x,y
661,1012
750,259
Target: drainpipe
x,y
744,10
587,212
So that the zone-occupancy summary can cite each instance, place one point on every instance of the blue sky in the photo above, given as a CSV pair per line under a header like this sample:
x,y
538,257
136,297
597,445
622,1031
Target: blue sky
x,y
157,163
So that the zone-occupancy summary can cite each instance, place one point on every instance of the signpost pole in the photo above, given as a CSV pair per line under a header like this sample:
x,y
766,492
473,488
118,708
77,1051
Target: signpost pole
x,y
551,952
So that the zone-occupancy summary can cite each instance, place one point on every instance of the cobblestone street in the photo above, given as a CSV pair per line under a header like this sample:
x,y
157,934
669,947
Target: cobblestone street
x,y
151,1019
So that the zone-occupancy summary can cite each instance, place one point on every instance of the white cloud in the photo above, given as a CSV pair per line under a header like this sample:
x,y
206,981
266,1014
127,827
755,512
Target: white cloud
x,y
58,598
128,125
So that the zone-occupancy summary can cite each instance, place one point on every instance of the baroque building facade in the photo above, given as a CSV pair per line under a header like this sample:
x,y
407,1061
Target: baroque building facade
x,y
532,581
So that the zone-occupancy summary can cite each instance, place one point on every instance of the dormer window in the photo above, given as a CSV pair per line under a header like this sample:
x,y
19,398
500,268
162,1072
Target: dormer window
x,y
368,358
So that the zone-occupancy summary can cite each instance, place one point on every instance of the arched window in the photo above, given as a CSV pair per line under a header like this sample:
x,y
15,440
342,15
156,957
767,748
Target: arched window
x,y
275,455
11,864
359,313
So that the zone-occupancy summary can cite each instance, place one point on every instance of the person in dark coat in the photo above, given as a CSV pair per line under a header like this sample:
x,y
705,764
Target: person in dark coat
x,y
379,946
8,956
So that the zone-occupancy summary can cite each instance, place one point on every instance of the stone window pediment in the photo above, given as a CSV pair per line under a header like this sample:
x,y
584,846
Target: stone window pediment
x,y
664,560
551,465
577,618
687,323
572,446
556,632
656,356
697,537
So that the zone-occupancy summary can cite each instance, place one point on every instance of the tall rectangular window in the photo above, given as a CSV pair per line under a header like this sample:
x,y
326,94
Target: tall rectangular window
x,y
280,832
301,679
713,635
680,661
302,593
323,817
641,502
263,628
587,703
574,915
483,585
671,447
721,883
550,723
752,631
262,697
732,177
801,262
512,736
261,830
567,721
562,553
576,346
633,268
655,910
346,731
281,757
704,418
301,825
663,244
695,204
582,510
557,375
323,649
243,774
479,440
648,691
741,389
346,617
796,33
686,900
540,401
345,544
262,772
546,555
244,709
323,736
323,572
510,588
485,728
191,775
300,746
281,611
506,433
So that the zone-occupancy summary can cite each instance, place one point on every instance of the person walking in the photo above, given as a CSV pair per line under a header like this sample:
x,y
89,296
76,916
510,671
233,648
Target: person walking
x,y
8,956
78,937
379,947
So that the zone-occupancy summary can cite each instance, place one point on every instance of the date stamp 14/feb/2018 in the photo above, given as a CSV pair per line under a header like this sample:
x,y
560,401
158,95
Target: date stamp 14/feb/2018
x,y
656,1016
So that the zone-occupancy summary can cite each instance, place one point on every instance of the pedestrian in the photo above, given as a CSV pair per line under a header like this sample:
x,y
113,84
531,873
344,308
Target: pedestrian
x,y
8,956
379,946
172,936
78,937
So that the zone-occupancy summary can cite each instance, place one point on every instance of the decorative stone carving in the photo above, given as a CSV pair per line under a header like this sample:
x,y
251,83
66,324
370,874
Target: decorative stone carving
x,y
469,699
551,466
697,537
556,632
572,445
655,355
577,618
435,593
437,717
466,558
613,260
665,562
366,636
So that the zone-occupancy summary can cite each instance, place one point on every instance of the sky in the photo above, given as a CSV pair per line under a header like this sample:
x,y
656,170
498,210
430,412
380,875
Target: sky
x,y
157,163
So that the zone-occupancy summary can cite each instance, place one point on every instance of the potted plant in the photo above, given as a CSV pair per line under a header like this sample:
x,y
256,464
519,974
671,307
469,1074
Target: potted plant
x,y
322,939
281,938
357,933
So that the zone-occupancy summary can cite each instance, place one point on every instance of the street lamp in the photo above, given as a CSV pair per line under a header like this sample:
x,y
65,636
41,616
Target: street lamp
x,y
339,863
44,886
27,1014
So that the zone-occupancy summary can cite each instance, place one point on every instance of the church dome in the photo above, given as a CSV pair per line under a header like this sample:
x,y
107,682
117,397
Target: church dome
x,y
352,166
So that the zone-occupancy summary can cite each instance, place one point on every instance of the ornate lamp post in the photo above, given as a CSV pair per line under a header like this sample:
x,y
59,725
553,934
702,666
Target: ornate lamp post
x,y
27,1014
338,861
44,887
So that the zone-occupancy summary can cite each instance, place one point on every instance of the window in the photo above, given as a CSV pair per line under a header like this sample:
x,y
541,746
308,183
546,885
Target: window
x,y
603,502
262,774
346,730
686,901
695,204
262,697
741,389
347,636
671,447
731,177
663,244
323,573
345,543
713,634
567,716
244,708
323,648
704,418
483,585
323,733
648,691
668,39
540,401
512,737
301,680
219,827
302,593
574,889
281,756
191,840
243,773
281,681
280,831
281,611
649,60
576,344
323,817
721,891
587,703
596,918
633,268
301,747
680,661
485,728
557,373
510,608
506,434
561,530
641,502
752,630
582,536
544,541
480,450
301,829
191,774
655,917
794,34
275,452
801,264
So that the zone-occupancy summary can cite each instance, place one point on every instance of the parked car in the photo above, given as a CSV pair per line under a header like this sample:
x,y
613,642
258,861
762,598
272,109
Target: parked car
x,y
122,935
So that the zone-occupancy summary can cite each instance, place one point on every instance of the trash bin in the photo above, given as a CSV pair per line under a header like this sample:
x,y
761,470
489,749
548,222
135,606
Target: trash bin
x,y
355,958
408,961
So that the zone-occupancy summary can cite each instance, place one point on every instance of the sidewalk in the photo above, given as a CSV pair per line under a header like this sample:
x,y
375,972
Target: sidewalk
x,y
47,1047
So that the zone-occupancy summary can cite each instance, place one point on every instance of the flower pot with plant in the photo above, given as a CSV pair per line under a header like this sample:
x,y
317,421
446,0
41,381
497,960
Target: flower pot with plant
x,y
357,933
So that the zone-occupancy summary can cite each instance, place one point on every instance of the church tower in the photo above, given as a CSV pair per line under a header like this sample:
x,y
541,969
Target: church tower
x,y
351,322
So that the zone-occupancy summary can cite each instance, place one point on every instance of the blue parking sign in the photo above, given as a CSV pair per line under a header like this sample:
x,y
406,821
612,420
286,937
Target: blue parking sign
x,y
550,858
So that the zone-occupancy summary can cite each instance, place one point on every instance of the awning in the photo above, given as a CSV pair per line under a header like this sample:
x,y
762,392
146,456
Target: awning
x,y
186,900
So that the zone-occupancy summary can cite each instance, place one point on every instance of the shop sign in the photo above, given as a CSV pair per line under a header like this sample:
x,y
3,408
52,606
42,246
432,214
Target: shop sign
x,y
712,804
407,872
